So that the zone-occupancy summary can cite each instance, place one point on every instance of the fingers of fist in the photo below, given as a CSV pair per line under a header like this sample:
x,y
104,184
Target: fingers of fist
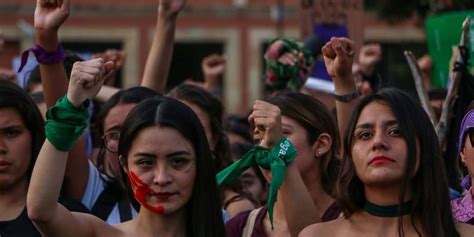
x,y
88,73
265,115
51,3
339,47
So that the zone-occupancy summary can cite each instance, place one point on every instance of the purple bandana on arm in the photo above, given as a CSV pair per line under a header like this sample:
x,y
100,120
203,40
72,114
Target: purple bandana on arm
x,y
42,56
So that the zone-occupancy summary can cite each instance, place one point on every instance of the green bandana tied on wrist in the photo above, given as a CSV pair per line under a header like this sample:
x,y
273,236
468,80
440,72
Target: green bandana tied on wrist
x,y
65,123
276,160
283,76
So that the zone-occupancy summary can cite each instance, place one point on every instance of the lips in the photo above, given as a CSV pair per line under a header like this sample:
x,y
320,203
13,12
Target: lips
x,y
380,160
163,196
4,165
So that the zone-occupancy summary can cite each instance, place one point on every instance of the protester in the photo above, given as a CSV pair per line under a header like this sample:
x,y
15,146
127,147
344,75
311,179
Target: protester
x,y
173,181
98,187
463,210
392,178
210,112
21,136
315,136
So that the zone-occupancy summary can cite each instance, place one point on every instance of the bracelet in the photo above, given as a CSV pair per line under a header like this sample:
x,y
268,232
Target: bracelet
x,y
346,97
65,123
42,56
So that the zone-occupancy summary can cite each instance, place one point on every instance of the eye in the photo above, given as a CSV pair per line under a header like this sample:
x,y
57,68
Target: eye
x,y
364,135
145,163
286,132
115,136
11,132
179,162
247,182
394,132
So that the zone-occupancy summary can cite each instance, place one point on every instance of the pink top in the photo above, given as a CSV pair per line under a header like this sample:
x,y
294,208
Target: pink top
x,y
462,208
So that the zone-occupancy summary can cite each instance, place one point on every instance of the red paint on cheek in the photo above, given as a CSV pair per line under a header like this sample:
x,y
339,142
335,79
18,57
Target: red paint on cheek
x,y
141,191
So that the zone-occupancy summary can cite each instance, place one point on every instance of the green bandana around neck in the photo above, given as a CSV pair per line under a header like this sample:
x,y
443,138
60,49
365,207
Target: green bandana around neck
x,y
276,160
65,123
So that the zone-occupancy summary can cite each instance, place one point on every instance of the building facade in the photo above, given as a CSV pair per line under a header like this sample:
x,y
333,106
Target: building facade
x,y
239,29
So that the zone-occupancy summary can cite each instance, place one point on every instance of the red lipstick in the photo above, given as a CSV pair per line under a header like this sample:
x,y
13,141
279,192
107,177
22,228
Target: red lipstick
x,y
380,160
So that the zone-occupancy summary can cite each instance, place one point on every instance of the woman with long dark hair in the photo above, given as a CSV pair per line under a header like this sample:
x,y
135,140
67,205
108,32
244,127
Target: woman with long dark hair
x,y
21,136
164,157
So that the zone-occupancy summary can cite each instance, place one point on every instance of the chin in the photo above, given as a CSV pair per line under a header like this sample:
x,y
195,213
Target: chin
x,y
382,180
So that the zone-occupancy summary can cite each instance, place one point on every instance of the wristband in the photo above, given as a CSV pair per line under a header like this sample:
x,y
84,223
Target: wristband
x,y
65,123
346,98
281,155
42,56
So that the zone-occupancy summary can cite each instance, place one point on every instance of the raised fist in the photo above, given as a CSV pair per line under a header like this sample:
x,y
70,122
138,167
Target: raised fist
x,y
87,78
338,56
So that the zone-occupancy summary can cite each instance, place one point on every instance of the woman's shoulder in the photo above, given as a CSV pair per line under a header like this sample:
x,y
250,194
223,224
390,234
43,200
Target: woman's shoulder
x,y
465,229
100,228
330,228
238,206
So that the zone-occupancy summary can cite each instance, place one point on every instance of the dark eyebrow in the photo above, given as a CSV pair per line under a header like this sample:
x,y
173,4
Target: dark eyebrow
x,y
246,175
179,153
144,154
370,125
364,125
150,155
113,128
13,126
391,122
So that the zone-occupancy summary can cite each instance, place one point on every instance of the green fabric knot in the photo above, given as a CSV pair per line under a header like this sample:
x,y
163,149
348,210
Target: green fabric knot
x,y
65,123
276,160
283,76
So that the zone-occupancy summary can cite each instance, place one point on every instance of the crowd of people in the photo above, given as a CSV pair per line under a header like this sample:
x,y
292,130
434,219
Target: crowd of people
x,y
79,157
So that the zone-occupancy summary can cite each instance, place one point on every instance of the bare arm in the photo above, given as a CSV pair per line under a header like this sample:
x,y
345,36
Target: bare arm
x,y
159,59
48,19
338,57
50,217
105,93
300,210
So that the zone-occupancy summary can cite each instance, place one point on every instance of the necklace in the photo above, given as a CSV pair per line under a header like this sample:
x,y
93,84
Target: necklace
x,y
387,211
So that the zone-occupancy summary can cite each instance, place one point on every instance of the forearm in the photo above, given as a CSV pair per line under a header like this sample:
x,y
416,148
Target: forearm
x,y
105,93
45,184
77,171
161,52
53,76
300,210
344,109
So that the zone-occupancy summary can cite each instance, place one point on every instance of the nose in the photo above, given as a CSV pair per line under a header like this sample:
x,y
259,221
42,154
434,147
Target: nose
x,y
379,141
3,146
163,176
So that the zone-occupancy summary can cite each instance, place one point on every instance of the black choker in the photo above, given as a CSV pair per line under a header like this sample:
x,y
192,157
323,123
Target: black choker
x,y
387,211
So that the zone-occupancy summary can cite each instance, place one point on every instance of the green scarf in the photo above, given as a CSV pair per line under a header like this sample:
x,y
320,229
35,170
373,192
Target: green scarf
x,y
65,123
276,160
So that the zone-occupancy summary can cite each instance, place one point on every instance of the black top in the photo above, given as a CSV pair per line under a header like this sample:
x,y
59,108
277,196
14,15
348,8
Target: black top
x,y
23,227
